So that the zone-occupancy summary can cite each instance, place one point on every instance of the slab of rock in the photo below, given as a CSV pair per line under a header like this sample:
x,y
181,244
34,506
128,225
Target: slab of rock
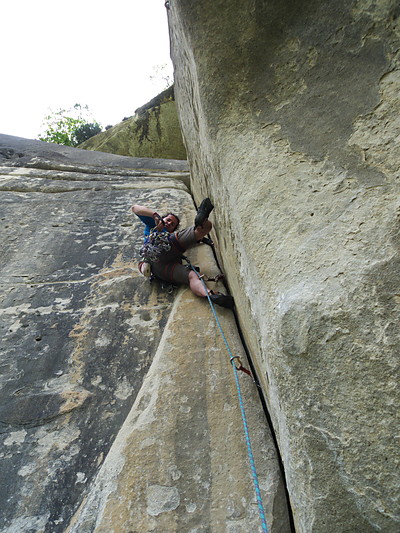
x,y
290,118
79,326
80,331
28,152
180,463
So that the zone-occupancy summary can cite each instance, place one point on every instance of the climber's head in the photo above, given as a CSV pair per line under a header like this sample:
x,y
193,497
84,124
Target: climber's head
x,y
171,222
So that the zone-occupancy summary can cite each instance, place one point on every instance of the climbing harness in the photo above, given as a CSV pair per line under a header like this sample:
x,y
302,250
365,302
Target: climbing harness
x,y
237,365
155,244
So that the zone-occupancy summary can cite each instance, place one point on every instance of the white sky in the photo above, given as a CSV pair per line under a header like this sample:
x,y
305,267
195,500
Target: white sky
x,y
92,52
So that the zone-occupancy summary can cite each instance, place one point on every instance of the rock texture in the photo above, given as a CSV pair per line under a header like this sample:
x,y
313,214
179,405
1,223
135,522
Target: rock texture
x,y
171,468
153,131
118,403
289,113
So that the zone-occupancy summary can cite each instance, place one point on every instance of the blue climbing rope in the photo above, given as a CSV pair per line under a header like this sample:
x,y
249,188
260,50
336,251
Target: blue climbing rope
x,y
246,429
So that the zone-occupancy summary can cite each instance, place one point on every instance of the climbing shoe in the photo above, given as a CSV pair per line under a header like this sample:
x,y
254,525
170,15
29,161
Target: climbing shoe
x,y
224,300
206,240
203,211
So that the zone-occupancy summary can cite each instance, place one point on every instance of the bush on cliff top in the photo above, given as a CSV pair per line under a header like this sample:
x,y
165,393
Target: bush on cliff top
x,y
69,127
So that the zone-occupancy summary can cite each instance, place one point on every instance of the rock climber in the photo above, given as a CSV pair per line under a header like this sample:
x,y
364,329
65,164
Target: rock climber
x,y
163,249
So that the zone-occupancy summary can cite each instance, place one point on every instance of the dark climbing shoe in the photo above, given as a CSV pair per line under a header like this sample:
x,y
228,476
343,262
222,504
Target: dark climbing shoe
x,y
203,211
206,240
224,300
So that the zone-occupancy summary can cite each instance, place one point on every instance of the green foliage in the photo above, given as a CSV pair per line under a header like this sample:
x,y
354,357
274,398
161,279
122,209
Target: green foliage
x,y
85,131
69,126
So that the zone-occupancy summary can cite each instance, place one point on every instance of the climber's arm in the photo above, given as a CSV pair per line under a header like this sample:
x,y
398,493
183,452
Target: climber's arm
x,y
142,211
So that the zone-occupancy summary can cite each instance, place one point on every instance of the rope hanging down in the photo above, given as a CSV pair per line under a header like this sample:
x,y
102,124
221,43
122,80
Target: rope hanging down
x,y
246,429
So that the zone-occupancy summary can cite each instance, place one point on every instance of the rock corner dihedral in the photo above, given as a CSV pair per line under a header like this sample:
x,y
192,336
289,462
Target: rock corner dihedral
x,y
289,116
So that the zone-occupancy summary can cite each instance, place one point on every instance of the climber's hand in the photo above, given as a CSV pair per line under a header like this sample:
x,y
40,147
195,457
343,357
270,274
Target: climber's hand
x,y
159,222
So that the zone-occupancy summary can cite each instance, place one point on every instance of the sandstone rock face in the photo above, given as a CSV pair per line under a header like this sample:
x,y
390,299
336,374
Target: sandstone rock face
x,y
289,113
153,131
171,468
118,407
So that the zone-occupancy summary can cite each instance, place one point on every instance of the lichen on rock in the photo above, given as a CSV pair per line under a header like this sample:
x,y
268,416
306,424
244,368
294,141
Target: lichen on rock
x,y
153,131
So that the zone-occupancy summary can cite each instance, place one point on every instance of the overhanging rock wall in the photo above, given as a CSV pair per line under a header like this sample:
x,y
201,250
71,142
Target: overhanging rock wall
x,y
289,112
118,407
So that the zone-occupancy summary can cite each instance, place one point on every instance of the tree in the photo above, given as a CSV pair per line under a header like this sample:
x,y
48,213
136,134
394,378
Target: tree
x,y
69,126
85,131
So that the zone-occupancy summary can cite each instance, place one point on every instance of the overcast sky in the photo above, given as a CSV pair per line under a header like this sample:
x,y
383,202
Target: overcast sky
x,y
92,52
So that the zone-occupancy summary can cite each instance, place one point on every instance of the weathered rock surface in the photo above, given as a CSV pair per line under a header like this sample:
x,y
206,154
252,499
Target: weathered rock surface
x,y
118,408
289,113
171,467
153,131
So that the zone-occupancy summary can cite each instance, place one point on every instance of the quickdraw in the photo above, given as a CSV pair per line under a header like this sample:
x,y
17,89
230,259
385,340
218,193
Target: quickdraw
x,y
189,266
216,278
239,366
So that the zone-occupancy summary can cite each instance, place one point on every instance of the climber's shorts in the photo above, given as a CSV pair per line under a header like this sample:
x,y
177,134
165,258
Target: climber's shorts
x,y
169,267
175,273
